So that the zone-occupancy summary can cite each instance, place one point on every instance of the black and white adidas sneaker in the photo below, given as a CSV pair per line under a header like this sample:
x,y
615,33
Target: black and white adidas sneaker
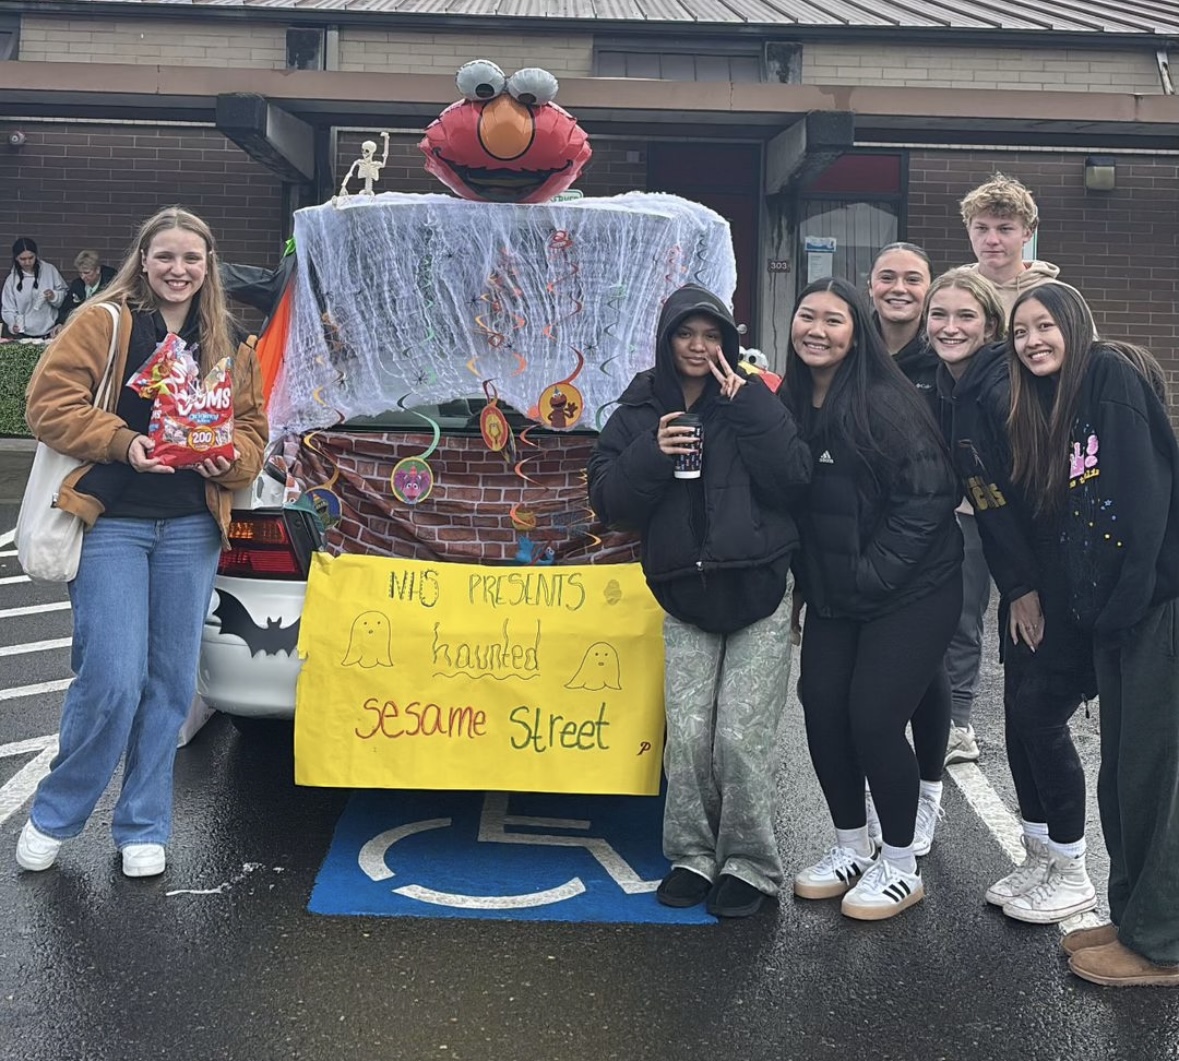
x,y
882,892
835,874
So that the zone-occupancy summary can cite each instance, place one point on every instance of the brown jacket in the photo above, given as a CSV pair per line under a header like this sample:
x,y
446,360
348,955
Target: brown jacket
x,y
60,413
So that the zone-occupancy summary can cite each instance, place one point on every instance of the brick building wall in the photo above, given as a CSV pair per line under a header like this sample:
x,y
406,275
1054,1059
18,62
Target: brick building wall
x,y
617,166
1120,249
940,66
168,42
80,185
386,51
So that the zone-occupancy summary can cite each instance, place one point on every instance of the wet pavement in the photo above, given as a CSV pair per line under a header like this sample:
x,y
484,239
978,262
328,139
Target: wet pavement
x,y
219,959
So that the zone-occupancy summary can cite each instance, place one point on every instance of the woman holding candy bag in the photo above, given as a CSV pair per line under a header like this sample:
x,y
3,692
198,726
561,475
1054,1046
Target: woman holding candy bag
x,y
150,553
711,500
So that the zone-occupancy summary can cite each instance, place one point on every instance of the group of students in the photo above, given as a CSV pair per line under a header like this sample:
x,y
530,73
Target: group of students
x,y
989,383
35,301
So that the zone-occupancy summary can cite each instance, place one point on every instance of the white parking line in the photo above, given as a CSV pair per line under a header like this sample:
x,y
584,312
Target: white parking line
x,y
35,646
17,691
18,788
35,609
12,580
1003,825
8,537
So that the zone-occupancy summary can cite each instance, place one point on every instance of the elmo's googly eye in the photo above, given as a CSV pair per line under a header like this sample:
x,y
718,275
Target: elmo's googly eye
x,y
533,86
480,80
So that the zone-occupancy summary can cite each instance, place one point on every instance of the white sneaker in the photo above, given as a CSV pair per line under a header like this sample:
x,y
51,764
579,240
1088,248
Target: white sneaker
x,y
962,747
34,850
928,812
833,875
1026,876
875,834
883,891
143,860
1065,890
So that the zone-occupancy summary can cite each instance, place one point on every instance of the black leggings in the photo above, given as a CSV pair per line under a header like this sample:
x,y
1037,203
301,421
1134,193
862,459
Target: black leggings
x,y
1049,779
860,685
931,727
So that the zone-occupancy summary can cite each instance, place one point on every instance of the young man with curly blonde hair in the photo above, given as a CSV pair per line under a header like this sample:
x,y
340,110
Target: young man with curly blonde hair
x,y
1000,217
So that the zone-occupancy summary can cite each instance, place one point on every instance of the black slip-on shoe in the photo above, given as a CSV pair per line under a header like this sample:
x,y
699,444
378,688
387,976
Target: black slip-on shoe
x,y
732,897
683,887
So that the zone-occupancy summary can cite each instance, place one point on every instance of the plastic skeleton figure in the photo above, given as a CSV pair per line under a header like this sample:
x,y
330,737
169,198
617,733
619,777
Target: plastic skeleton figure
x,y
367,168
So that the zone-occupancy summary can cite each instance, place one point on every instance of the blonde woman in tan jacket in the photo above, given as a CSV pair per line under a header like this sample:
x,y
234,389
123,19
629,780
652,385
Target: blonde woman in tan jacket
x,y
150,552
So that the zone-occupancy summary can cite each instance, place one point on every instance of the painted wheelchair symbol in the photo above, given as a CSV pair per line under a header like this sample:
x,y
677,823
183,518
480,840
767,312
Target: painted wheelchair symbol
x,y
493,823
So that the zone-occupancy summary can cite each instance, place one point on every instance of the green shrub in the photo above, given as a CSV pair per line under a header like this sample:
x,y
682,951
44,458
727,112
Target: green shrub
x,y
17,361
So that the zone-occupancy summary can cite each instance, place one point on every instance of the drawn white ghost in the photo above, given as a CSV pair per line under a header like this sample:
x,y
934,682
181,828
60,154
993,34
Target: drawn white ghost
x,y
369,643
599,669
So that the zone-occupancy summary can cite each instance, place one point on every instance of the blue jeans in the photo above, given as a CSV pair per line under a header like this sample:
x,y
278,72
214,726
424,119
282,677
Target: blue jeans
x,y
139,600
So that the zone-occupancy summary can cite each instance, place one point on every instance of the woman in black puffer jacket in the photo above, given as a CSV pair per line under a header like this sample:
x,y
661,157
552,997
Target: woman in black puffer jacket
x,y
716,552
880,572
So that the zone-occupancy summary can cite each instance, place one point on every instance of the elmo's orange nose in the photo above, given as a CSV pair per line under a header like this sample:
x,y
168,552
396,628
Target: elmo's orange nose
x,y
506,128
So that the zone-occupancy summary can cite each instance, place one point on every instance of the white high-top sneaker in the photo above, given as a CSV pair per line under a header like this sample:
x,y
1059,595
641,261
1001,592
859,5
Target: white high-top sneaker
x,y
929,810
1065,890
1025,877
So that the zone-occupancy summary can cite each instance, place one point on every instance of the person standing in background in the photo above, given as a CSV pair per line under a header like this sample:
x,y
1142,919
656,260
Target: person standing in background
x,y
1000,216
897,285
92,277
32,293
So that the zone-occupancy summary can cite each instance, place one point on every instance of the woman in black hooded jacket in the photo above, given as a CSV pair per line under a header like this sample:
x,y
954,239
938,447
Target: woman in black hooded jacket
x,y
716,552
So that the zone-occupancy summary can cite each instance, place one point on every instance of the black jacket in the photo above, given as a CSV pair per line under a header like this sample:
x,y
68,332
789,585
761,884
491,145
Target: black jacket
x,y
869,547
715,550
1120,523
76,292
1023,553
919,363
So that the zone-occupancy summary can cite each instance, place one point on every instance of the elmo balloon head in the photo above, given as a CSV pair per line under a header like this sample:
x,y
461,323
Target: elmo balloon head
x,y
506,141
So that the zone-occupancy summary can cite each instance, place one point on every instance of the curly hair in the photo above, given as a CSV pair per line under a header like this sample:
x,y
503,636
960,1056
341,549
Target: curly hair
x,y
1001,196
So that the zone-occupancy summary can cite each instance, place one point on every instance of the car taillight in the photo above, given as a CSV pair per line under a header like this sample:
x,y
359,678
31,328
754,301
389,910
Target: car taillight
x,y
260,546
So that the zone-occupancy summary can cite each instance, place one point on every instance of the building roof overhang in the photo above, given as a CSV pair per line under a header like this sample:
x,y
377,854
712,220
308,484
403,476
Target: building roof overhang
x,y
117,92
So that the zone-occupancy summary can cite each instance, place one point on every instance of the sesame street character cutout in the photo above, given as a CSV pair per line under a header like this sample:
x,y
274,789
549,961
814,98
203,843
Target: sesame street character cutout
x,y
560,406
412,480
506,141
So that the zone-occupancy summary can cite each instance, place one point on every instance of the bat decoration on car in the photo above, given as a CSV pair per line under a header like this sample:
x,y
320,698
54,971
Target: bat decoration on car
x,y
270,639
506,141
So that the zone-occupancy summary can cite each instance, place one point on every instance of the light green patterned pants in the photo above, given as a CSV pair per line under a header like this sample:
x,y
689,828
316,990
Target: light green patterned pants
x,y
725,697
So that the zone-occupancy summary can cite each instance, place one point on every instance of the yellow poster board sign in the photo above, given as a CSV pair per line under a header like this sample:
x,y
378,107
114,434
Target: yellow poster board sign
x,y
456,676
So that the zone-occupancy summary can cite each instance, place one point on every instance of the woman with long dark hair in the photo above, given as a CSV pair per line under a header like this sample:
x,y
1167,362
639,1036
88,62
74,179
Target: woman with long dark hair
x,y
1047,658
880,573
32,293
1092,443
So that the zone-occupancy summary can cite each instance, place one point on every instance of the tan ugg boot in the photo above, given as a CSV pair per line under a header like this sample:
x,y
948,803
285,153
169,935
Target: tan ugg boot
x,y
1081,938
1115,965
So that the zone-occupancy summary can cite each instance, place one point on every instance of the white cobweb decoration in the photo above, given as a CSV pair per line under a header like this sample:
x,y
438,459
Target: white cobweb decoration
x,y
420,299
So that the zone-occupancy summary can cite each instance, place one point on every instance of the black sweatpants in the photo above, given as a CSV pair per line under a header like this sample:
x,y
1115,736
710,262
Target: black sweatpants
x,y
1138,787
1048,775
860,684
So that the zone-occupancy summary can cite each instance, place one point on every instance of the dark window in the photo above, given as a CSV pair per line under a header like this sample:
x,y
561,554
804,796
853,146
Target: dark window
x,y
9,36
305,48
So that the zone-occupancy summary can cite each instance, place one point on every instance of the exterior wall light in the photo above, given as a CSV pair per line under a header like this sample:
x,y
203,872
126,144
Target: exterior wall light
x,y
1101,174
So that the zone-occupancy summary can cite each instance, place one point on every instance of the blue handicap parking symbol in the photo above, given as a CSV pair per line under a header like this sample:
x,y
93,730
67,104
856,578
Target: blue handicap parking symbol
x,y
518,856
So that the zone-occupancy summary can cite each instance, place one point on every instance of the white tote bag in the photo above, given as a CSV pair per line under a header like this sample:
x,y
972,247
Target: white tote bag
x,y
48,540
